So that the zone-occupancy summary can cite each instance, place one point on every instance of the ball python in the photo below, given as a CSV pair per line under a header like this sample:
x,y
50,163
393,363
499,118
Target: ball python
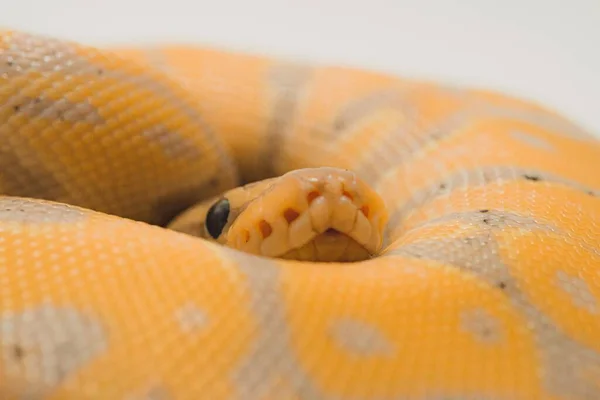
x,y
162,208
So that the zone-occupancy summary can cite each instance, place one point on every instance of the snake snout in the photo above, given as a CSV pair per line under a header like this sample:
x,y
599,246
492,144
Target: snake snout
x,y
317,214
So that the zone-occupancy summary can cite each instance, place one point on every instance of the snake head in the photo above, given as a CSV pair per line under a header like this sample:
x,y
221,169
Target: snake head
x,y
311,214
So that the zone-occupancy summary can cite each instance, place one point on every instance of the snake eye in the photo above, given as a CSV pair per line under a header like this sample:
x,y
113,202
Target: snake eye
x,y
216,217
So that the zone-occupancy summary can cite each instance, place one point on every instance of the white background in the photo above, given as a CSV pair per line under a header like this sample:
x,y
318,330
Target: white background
x,y
545,50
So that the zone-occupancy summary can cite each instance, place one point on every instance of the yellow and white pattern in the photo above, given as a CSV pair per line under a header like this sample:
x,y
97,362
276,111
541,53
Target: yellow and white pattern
x,y
488,287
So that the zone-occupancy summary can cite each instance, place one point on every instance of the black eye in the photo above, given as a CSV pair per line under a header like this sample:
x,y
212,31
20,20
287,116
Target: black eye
x,y
216,217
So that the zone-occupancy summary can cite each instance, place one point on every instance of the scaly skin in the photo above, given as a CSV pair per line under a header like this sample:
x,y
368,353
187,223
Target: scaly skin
x,y
489,288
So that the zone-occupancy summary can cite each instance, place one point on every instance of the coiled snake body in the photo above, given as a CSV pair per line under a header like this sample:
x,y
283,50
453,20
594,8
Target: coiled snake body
x,y
486,283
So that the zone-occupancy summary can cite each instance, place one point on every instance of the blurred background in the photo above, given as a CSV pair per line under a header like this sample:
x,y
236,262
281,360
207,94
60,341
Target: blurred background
x,y
545,50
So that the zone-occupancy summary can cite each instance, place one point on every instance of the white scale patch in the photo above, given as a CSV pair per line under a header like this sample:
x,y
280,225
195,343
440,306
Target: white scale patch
x,y
533,141
483,326
191,318
36,212
361,338
578,290
44,345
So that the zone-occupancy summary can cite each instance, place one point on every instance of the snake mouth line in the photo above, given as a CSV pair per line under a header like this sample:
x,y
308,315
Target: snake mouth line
x,y
329,246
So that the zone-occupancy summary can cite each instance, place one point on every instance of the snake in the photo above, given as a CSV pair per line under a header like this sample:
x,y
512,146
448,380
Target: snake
x,y
180,221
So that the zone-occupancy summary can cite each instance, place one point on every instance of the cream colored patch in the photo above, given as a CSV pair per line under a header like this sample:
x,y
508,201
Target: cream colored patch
x,y
45,345
173,144
554,123
287,84
481,325
563,359
491,219
533,141
30,211
27,52
61,109
58,62
191,318
159,60
578,290
360,338
361,107
270,359
476,177
478,253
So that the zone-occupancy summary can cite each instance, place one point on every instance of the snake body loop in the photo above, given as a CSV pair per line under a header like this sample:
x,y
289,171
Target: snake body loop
x,y
480,279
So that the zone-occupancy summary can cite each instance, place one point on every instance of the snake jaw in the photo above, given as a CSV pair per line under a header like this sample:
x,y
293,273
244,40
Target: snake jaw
x,y
320,214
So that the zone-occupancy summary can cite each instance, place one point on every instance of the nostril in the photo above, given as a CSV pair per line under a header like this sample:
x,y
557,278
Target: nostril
x,y
365,210
312,196
290,215
265,228
246,236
